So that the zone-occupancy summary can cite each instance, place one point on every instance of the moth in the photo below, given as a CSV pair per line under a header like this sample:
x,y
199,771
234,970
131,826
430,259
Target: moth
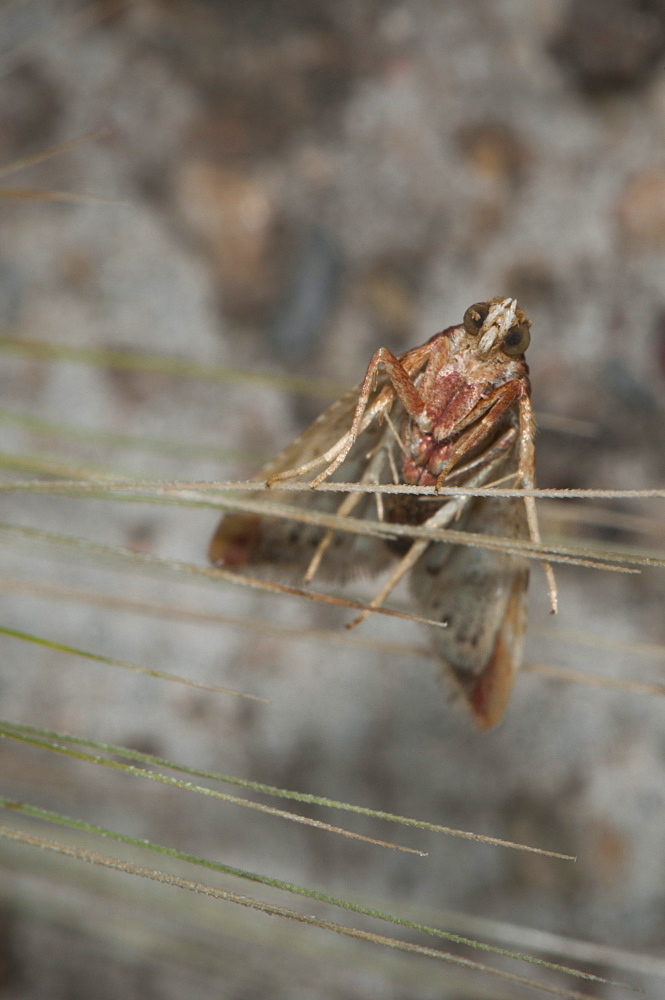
x,y
455,411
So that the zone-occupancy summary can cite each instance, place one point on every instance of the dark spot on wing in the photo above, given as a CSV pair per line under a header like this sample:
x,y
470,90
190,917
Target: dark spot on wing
x,y
435,559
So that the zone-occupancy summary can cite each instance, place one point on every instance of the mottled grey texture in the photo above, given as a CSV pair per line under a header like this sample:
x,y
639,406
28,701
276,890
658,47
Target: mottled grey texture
x,y
443,153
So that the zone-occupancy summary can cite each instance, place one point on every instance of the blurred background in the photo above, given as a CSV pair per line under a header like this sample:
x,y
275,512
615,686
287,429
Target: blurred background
x,y
281,188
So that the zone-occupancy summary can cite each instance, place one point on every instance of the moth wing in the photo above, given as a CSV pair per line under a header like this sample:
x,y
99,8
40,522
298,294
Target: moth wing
x,y
316,439
284,548
335,421
481,596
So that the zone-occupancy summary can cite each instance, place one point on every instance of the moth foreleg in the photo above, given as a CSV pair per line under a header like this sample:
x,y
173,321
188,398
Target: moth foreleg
x,y
402,387
302,470
505,397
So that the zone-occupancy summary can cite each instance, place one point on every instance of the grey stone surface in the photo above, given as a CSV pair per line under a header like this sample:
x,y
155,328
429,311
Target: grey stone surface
x,y
442,153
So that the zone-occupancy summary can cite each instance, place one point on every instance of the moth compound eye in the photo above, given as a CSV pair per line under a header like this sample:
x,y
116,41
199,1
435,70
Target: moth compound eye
x,y
517,339
475,316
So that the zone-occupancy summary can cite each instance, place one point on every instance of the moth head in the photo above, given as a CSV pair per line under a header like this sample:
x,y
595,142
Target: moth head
x,y
499,324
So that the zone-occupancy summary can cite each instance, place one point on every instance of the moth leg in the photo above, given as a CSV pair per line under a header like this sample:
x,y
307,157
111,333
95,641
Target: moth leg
x,y
350,501
526,473
406,563
440,519
402,387
302,470
494,452
378,408
504,397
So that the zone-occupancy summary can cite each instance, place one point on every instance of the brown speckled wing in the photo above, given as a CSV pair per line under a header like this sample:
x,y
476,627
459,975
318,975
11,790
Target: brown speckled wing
x,y
481,596
282,548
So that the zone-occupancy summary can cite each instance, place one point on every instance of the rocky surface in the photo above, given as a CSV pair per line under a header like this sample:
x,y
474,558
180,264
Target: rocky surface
x,y
283,188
